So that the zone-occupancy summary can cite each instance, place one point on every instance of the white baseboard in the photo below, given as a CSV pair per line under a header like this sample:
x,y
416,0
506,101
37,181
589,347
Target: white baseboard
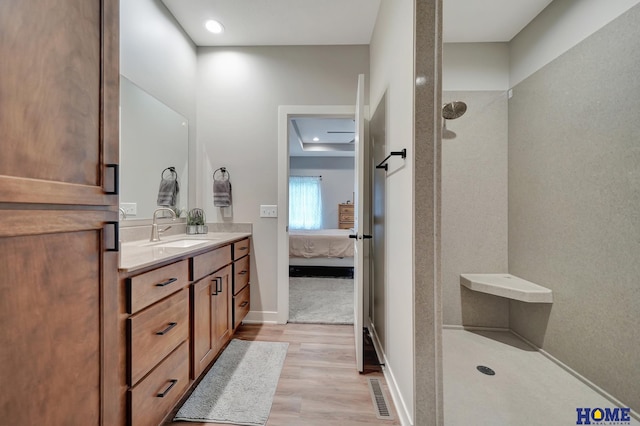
x,y
406,418
578,376
261,317
473,328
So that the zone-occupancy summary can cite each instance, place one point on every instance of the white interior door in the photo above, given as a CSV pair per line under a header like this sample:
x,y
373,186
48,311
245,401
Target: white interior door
x,y
358,316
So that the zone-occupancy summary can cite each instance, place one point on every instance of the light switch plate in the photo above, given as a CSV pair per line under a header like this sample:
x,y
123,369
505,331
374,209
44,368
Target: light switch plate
x,y
131,209
268,211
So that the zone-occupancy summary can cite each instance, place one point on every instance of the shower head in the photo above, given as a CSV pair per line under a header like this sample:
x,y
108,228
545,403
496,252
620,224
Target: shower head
x,y
453,110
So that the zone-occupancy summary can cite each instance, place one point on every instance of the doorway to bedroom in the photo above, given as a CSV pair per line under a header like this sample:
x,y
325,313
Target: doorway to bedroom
x,y
320,218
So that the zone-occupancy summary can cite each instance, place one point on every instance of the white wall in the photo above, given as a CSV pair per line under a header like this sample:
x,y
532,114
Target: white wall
x,y
559,27
239,91
475,66
158,57
152,137
392,72
337,182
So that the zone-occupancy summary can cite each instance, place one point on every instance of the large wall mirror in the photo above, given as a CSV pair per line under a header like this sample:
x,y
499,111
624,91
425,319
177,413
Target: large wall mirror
x,y
152,138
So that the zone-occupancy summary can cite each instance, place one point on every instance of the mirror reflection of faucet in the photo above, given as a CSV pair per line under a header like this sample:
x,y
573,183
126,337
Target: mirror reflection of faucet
x,y
155,232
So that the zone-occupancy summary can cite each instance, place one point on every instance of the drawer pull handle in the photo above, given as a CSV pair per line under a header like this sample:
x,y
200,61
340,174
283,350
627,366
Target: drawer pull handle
x,y
116,236
166,330
243,304
116,183
167,282
216,289
242,272
243,248
166,391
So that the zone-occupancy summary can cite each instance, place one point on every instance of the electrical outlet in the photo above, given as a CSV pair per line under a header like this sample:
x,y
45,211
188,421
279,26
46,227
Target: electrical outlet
x,y
268,211
131,209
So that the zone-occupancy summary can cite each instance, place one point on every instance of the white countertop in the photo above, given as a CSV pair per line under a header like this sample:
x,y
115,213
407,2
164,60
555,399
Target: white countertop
x,y
507,285
136,255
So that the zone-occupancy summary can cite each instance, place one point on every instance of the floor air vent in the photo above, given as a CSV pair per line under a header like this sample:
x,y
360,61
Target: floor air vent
x,y
380,403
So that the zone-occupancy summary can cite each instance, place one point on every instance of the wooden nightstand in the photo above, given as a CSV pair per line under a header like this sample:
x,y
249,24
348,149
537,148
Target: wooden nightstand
x,y
345,216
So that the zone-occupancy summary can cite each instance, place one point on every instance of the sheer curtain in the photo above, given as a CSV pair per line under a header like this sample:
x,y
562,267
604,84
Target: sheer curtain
x,y
305,202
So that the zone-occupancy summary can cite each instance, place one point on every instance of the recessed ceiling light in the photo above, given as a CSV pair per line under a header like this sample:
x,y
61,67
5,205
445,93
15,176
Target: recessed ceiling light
x,y
214,26
316,139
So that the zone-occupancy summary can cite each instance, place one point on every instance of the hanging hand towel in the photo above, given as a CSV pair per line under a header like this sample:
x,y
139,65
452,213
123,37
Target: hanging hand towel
x,y
221,188
169,188
221,193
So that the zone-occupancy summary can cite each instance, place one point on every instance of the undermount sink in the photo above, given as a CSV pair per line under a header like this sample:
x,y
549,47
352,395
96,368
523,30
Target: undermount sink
x,y
179,243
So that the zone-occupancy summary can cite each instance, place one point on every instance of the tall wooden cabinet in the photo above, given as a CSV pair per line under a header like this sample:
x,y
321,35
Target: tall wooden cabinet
x,y
58,210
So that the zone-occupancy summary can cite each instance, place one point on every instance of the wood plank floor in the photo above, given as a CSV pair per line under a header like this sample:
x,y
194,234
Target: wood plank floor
x,y
319,384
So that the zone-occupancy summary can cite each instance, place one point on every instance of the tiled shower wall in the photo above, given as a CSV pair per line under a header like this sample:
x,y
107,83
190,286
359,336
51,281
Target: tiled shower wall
x,y
574,206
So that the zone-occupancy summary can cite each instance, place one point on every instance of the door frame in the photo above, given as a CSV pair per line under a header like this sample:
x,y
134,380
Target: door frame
x,y
285,112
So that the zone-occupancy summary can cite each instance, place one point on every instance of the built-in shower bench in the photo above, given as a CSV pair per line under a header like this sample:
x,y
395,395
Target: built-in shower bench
x,y
507,285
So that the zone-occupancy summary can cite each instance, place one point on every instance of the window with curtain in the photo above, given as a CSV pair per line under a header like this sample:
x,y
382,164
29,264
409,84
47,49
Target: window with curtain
x,y
305,202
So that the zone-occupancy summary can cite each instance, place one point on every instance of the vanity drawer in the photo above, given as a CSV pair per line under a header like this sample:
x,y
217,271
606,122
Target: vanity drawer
x,y
240,274
240,248
206,263
155,332
146,289
241,306
154,397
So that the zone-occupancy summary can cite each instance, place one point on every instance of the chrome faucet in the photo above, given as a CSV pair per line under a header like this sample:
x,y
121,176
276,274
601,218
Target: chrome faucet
x,y
155,232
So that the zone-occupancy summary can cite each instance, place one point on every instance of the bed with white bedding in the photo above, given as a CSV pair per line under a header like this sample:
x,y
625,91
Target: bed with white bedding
x,y
323,247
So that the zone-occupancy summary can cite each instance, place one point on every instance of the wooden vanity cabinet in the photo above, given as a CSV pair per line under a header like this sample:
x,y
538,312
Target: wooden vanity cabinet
x,y
210,306
211,314
157,338
155,332
157,394
175,319
241,276
223,312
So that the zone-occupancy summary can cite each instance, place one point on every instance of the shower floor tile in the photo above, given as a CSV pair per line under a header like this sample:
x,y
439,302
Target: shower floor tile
x,y
527,389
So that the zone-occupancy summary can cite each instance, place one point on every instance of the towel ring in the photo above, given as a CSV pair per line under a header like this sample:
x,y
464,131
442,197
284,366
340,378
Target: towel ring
x,y
223,171
172,170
